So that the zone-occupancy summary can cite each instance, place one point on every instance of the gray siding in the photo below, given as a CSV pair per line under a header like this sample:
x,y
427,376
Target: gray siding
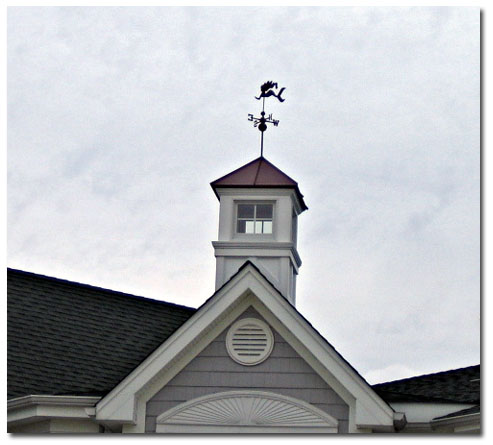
x,y
212,371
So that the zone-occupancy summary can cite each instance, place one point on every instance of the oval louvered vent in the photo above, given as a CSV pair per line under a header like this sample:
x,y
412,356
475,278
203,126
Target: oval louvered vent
x,y
249,341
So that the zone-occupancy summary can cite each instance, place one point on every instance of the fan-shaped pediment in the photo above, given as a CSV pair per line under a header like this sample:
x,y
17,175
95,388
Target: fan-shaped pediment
x,y
247,409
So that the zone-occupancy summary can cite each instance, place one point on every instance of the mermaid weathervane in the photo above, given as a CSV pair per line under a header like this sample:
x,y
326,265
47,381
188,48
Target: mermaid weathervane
x,y
266,90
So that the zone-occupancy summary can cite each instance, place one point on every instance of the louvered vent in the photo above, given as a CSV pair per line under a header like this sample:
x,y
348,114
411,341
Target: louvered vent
x,y
249,341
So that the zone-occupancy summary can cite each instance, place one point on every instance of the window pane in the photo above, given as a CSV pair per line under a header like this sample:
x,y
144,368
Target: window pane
x,y
267,226
264,211
249,227
245,210
241,226
258,226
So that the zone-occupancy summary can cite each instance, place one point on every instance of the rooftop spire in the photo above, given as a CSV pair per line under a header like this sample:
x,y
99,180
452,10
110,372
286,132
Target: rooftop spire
x,y
266,90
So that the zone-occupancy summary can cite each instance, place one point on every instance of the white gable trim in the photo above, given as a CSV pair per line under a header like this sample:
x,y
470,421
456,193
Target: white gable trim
x,y
121,404
126,402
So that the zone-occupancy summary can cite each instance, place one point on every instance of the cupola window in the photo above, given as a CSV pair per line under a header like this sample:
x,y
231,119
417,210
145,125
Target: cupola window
x,y
254,218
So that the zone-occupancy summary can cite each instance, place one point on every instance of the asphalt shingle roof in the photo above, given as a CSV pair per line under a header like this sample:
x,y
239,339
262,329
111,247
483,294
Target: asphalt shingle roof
x,y
457,385
463,412
66,338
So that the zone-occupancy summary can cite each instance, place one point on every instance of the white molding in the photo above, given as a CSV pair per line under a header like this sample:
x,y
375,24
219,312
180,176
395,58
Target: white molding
x,y
21,402
267,193
460,423
253,411
419,412
33,408
259,248
126,402
469,423
242,429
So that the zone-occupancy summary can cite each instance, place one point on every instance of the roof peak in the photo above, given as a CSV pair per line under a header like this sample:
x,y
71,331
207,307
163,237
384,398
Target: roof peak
x,y
261,173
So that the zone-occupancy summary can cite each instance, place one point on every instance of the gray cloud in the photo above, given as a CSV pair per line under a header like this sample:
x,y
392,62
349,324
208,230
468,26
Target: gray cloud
x,y
118,119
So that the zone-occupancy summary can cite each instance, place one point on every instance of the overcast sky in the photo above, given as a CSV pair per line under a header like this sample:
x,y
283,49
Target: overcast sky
x,y
119,118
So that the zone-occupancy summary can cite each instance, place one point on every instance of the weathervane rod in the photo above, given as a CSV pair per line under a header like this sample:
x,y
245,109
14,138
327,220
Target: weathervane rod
x,y
267,90
262,133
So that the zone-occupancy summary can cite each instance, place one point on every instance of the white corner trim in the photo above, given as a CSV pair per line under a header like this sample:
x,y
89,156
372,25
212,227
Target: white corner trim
x,y
258,409
36,407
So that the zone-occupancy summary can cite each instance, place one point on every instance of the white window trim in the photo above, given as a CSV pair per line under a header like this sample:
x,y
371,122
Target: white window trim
x,y
266,236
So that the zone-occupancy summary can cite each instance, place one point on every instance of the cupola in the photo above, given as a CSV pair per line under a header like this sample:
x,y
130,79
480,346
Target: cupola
x,y
258,212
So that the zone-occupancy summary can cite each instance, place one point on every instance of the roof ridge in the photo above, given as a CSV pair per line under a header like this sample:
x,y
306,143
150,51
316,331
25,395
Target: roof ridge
x,y
236,169
278,169
258,170
98,288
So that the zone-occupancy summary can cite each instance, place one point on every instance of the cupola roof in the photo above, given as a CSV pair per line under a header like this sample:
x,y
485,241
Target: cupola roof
x,y
259,173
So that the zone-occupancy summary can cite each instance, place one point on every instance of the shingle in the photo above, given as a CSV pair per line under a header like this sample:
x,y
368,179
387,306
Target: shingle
x,y
458,385
73,339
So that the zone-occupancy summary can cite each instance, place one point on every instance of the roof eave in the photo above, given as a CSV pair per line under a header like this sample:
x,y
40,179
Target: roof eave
x,y
296,189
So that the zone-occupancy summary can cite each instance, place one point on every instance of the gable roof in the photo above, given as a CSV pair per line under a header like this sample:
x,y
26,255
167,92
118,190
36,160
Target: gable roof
x,y
458,385
67,338
259,173
248,287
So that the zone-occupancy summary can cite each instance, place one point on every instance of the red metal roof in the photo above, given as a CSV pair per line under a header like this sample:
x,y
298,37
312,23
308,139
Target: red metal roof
x,y
258,173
